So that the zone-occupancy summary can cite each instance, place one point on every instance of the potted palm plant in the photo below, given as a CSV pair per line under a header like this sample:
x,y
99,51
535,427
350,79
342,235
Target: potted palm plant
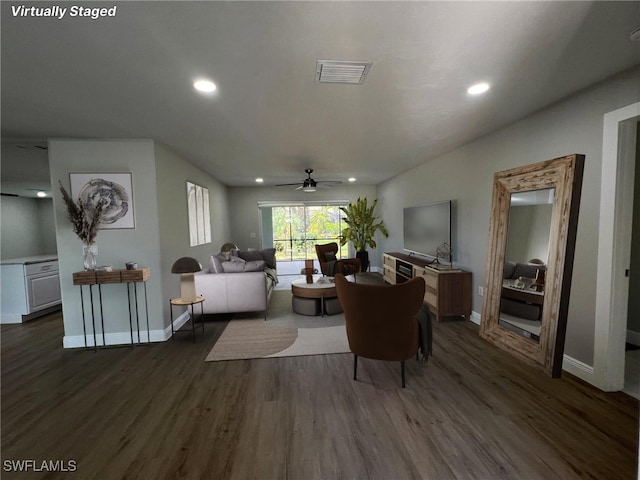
x,y
362,224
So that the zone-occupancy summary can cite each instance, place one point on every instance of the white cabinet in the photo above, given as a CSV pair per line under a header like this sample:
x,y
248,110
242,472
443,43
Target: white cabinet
x,y
29,287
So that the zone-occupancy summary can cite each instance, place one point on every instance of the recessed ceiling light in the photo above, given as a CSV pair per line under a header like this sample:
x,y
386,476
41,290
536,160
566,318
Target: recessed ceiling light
x,y
41,194
259,180
478,88
204,86
352,179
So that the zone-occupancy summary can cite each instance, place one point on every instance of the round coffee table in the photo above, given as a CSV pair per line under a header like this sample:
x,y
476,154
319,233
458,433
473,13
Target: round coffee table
x,y
307,295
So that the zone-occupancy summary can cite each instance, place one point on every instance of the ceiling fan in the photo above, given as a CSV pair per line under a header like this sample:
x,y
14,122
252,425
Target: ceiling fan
x,y
309,184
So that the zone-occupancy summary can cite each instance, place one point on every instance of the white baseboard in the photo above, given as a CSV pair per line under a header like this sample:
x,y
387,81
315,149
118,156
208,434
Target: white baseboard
x,y
21,318
578,369
569,364
10,318
633,338
124,338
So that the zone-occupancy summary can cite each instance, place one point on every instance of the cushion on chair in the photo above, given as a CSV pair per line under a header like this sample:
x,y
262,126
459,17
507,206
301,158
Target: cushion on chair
x,y
330,257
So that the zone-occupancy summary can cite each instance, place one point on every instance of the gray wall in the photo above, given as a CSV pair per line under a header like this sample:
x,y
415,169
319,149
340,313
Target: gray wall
x,y
115,246
161,232
46,220
172,173
633,314
27,227
528,233
25,167
574,125
245,217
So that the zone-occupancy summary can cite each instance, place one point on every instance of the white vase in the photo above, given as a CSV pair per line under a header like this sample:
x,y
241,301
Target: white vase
x,y
90,252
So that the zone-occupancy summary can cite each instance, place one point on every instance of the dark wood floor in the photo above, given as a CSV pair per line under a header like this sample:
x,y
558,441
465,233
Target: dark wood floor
x,y
163,413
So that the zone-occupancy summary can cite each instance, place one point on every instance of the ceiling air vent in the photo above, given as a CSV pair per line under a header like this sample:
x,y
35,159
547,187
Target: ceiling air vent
x,y
332,71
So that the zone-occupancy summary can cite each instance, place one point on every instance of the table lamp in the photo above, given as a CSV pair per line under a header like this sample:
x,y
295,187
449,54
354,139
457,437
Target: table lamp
x,y
186,266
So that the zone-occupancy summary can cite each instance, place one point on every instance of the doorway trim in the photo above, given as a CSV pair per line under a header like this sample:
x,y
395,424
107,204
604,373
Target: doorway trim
x,y
614,247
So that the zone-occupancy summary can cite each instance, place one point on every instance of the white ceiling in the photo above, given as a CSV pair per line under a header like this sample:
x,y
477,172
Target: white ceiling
x,y
130,77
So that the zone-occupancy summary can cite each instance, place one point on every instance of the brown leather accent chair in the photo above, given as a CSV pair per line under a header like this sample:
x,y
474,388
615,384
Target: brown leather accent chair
x,y
330,265
381,319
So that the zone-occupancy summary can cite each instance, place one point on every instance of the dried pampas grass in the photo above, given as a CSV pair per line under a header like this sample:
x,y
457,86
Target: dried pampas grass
x,y
85,221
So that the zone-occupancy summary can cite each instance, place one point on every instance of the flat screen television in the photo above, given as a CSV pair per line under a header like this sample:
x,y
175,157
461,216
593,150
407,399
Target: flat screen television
x,y
427,227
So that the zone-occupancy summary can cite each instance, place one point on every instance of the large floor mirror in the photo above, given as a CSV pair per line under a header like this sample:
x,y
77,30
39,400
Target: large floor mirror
x,y
532,234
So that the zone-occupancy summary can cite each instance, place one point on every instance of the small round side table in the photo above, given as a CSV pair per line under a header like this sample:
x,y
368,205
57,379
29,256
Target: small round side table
x,y
188,303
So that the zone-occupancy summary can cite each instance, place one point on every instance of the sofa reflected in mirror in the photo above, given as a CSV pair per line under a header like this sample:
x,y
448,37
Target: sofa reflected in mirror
x,y
522,297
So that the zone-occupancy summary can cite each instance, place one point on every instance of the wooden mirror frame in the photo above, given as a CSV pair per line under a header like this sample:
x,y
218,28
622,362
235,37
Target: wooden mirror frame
x,y
565,176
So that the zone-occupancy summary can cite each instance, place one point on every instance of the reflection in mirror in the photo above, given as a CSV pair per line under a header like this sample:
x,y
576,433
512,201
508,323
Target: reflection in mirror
x,y
527,251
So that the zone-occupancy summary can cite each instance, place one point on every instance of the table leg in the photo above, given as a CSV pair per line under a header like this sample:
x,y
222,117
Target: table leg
x,y
171,310
84,323
104,340
135,298
146,309
93,319
130,318
193,325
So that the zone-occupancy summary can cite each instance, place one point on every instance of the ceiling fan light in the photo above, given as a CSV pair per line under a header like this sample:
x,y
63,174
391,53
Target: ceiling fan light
x,y
308,189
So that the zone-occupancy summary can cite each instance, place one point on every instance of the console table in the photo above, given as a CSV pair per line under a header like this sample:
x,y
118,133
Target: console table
x,y
99,278
448,290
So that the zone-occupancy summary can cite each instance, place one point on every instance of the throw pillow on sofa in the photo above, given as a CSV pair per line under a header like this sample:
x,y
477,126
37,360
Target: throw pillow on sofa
x,y
215,264
268,255
527,270
239,267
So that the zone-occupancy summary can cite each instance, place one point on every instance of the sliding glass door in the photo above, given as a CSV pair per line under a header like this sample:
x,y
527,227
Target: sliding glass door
x,y
295,229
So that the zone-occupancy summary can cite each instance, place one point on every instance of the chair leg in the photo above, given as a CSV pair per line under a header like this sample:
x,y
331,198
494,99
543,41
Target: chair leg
x,y
355,366
402,371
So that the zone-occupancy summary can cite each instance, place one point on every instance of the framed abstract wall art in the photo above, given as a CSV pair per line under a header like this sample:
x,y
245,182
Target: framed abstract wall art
x,y
199,219
114,189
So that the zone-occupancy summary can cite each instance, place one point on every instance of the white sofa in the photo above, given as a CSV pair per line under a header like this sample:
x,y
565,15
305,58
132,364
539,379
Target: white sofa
x,y
245,291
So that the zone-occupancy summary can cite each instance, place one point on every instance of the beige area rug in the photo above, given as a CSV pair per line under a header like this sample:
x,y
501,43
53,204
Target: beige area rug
x,y
283,334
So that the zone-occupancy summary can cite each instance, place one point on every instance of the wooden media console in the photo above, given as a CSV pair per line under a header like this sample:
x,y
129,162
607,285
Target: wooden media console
x,y
448,290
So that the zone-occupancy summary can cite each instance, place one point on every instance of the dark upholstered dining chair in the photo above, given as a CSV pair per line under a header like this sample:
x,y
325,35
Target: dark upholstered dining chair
x,y
330,265
381,319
